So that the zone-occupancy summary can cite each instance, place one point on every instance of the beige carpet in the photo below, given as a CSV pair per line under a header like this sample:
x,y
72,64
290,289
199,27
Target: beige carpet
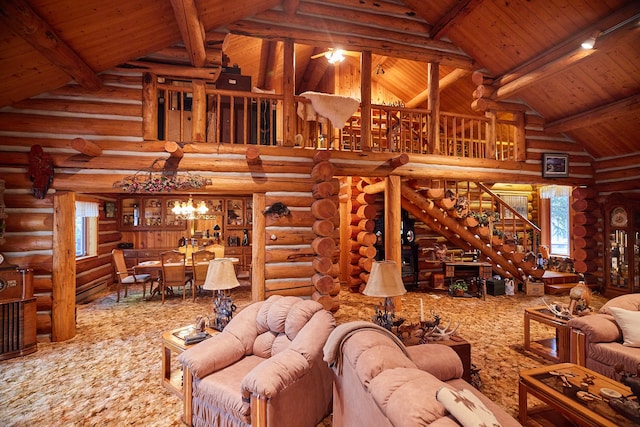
x,y
109,374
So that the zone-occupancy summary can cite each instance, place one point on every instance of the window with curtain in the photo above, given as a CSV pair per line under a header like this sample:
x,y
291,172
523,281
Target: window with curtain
x,y
86,233
558,216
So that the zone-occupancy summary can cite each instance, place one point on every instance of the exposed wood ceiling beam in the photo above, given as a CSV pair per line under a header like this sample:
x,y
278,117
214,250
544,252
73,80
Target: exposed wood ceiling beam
x,y
290,6
191,29
599,114
446,81
567,53
421,53
24,21
459,11
398,21
268,63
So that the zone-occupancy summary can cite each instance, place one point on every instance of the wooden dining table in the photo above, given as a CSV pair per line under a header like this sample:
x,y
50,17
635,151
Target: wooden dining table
x,y
154,267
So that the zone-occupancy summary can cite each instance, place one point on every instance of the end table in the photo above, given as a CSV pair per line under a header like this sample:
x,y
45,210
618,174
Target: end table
x,y
172,342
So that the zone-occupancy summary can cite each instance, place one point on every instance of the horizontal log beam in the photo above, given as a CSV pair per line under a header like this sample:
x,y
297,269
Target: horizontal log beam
x,y
395,49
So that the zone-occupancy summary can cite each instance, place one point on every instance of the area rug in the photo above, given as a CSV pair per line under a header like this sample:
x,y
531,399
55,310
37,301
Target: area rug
x,y
109,374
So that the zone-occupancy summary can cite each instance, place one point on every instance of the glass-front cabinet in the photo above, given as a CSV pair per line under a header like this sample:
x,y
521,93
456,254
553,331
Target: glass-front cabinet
x,y
622,250
148,213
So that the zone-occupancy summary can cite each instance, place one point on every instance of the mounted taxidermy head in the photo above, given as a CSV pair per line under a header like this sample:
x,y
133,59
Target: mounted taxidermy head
x,y
277,210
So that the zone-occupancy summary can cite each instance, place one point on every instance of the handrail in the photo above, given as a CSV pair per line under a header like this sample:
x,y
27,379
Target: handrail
x,y
515,217
240,117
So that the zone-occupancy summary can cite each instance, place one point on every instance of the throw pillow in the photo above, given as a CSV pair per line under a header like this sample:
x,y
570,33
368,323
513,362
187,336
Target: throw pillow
x,y
629,322
466,407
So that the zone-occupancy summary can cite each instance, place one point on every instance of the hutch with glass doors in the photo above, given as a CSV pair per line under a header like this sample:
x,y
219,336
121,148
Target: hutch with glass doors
x,y
622,246
151,226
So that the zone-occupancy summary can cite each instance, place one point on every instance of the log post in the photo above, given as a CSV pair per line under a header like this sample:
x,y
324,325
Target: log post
x,y
434,107
149,107
365,96
173,149
86,147
258,253
398,161
253,155
63,307
199,112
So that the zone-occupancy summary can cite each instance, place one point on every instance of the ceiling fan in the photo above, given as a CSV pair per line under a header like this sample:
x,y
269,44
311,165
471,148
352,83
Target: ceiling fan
x,y
335,55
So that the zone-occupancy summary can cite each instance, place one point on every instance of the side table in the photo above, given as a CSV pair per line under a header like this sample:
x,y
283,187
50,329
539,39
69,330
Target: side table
x,y
173,345
554,348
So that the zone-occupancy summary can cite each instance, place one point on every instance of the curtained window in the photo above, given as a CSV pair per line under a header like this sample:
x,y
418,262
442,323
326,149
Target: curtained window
x,y
86,232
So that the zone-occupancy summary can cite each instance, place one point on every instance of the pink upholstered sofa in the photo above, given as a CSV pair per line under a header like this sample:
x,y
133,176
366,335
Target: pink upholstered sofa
x,y
265,368
600,343
380,382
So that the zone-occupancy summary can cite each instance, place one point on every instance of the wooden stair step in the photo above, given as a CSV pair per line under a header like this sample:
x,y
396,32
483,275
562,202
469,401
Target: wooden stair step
x,y
563,288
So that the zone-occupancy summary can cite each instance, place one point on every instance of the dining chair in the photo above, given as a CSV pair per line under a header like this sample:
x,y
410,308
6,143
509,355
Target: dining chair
x,y
200,261
174,273
127,276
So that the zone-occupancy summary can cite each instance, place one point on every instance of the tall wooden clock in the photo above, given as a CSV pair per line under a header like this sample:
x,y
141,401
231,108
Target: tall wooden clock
x,y
622,250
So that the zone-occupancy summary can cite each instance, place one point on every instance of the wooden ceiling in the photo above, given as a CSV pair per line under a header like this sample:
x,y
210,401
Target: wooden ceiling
x,y
530,49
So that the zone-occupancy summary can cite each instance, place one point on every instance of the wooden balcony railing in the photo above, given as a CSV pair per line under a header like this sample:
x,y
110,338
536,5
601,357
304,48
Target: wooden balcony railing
x,y
235,117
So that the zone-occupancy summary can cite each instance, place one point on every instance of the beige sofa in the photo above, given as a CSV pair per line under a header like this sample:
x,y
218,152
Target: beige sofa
x,y
598,340
265,368
380,382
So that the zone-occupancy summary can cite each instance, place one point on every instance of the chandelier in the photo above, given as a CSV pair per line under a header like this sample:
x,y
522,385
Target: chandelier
x,y
186,210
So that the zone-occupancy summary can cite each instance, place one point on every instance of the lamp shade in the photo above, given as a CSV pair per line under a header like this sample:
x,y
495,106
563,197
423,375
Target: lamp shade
x,y
385,280
220,275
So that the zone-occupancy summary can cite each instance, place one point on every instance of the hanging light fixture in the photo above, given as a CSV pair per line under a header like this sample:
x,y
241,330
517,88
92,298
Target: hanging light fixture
x,y
186,210
334,55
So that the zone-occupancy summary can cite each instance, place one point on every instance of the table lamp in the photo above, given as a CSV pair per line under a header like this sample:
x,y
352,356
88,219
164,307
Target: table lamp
x,y
221,276
385,281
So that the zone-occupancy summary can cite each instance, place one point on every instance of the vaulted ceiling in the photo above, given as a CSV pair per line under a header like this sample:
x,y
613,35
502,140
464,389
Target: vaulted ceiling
x,y
529,52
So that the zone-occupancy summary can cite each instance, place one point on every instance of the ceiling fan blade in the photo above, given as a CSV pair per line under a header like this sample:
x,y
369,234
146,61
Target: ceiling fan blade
x,y
319,55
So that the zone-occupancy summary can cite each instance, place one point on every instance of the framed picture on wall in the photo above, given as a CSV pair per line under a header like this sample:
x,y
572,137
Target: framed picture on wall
x,y
110,209
555,165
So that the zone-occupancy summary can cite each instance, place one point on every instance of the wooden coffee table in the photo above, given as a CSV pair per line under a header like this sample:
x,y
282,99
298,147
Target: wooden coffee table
x,y
544,384
554,348
172,343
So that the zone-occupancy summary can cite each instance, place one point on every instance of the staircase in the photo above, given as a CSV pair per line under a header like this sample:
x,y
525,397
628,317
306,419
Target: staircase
x,y
471,216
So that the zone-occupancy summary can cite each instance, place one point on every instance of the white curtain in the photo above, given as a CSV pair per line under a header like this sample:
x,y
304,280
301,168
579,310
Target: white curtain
x,y
87,209
549,191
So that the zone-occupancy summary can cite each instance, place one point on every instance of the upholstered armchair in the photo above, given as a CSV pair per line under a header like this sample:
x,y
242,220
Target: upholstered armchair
x,y
264,369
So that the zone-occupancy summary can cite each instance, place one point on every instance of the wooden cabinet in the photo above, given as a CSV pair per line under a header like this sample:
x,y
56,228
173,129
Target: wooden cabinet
x,y
17,311
622,246
149,223
149,213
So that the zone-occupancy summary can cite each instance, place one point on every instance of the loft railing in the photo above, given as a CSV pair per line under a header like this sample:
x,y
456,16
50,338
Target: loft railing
x,y
235,117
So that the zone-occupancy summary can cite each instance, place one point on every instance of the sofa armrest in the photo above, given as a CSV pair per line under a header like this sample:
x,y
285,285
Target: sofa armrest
x,y
597,327
272,375
213,354
439,360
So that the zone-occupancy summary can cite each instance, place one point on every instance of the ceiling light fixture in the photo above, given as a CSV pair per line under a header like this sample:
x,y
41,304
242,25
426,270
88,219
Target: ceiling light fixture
x,y
379,69
186,210
334,56
589,43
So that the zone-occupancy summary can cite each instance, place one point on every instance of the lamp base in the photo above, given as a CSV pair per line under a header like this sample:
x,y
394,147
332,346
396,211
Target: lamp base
x,y
223,308
386,318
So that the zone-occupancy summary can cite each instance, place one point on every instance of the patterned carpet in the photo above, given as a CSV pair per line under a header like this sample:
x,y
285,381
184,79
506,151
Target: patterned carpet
x,y
109,374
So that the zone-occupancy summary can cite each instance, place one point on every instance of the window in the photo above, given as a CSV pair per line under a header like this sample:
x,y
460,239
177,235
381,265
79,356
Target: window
x,y
86,230
556,211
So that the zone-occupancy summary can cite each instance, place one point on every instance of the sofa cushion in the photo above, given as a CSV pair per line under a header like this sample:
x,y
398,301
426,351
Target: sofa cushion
x,y
628,302
597,327
437,359
392,388
466,408
629,322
